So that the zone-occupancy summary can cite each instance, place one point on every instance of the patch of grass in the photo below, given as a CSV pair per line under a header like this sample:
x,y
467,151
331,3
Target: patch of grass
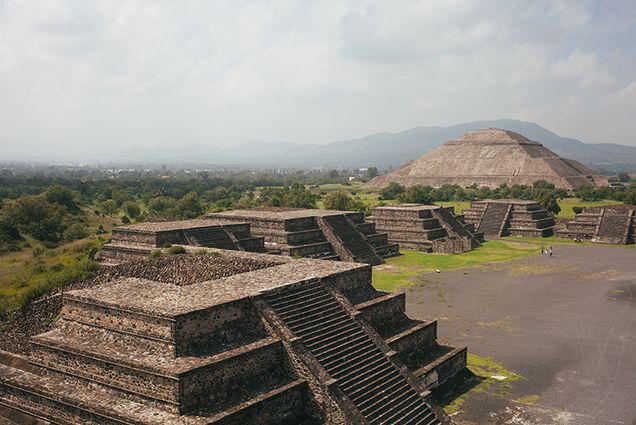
x,y
402,270
488,376
553,240
33,278
566,205
528,399
459,206
174,250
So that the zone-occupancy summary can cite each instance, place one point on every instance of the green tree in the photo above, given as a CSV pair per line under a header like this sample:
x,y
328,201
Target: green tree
x,y
548,200
132,209
338,201
37,218
58,194
623,177
417,194
630,196
391,191
75,231
108,207
542,184
190,206
161,205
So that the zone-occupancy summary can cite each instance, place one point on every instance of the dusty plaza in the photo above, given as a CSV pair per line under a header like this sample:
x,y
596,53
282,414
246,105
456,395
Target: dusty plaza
x,y
559,330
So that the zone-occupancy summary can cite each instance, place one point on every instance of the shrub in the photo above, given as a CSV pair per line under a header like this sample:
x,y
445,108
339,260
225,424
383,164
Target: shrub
x,y
392,191
125,219
577,210
108,207
176,250
74,232
155,254
132,209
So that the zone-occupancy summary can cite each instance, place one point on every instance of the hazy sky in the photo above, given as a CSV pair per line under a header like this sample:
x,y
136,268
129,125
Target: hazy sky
x,y
90,75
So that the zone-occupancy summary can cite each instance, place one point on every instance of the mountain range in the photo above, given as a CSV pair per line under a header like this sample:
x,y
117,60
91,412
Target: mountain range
x,y
383,150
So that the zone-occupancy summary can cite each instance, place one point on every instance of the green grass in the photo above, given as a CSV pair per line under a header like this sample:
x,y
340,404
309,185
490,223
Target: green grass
x,y
553,240
459,206
566,205
401,271
490,376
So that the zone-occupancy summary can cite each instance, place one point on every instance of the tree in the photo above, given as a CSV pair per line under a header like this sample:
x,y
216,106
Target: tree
x,y
630,196
391,191
623,177
34,216
74,232
548,200
132,209
58,194
338,201
190,206
161,205
417,194
108,207
542,184
371,172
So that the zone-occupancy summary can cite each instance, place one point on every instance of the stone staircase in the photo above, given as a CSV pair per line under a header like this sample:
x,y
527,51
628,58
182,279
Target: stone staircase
x,y
491,222
210,237
607,224
364,373
109,366
354,247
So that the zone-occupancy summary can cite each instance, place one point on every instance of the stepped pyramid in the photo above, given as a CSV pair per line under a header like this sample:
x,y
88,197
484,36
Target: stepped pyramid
x,y
428,228
510,217
490,158
609,224
137,241
294,342
317,234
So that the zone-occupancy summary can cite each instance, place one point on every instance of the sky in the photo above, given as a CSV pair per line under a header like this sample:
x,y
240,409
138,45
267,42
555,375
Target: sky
x,y
101,76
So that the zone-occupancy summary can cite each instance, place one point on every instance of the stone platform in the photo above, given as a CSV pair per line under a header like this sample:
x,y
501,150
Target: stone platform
x,y
612,224
138,240
286,341
427,228
318,234
510,217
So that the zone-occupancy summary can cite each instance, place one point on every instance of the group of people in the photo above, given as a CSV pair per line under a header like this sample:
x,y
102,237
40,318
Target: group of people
x,y
546,251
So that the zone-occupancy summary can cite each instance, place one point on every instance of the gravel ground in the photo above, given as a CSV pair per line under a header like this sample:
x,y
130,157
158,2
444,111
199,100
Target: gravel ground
x,y
565,324
40,315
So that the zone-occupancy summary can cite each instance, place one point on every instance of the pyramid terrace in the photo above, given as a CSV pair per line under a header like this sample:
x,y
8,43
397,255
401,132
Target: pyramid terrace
x,y
278,341
510,217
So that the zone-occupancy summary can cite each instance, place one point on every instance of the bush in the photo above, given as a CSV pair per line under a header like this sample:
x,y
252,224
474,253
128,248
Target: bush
x,y
155,254
74,232
417,194
173,250
337,201
108,207
57,194
392,191
630,196
125,219
132,209
577,210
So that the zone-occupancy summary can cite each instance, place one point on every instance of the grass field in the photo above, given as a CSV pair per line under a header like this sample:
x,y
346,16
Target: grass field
x,y
403,271
566,205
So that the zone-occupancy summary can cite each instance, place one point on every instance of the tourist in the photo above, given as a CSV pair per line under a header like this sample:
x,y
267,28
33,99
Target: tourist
x,y
550,251
541,249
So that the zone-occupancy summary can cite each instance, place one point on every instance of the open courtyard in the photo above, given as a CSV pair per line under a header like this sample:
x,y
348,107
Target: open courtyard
x,y
551,339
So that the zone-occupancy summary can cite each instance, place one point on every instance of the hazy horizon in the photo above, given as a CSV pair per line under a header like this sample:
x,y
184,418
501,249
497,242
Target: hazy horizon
x,y
90,77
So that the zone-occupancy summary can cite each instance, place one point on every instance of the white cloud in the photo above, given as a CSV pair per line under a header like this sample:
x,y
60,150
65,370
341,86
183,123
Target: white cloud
x,y
79,74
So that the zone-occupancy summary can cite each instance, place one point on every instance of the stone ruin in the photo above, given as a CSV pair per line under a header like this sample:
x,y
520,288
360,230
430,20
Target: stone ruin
x,y
428,228
138,240
276,341
614,224
491,157
510,217
318,234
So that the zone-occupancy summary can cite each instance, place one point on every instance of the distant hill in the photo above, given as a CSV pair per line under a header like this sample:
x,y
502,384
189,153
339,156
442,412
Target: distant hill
x,y
384,150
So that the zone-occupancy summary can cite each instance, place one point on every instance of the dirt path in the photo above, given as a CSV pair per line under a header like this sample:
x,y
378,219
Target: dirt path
x,y
567,324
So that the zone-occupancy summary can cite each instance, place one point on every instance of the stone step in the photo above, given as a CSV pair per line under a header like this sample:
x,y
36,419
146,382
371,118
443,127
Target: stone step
x,y
316,317
353,363
334,336
367,378
315,331
391,388
394,409
325,350
95,356
65,402
303,301
350,351
387,251
421,417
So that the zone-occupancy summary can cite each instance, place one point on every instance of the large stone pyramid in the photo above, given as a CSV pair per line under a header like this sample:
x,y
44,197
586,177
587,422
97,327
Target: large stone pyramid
x,y
491,157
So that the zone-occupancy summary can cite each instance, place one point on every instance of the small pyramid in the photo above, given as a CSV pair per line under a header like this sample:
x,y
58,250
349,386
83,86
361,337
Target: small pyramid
x,y
491,157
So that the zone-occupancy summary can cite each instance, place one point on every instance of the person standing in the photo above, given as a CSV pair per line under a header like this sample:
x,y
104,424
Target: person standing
x,y
550,251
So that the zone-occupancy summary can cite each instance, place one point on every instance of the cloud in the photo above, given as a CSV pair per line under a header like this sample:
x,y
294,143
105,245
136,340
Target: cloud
x,y
97,75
